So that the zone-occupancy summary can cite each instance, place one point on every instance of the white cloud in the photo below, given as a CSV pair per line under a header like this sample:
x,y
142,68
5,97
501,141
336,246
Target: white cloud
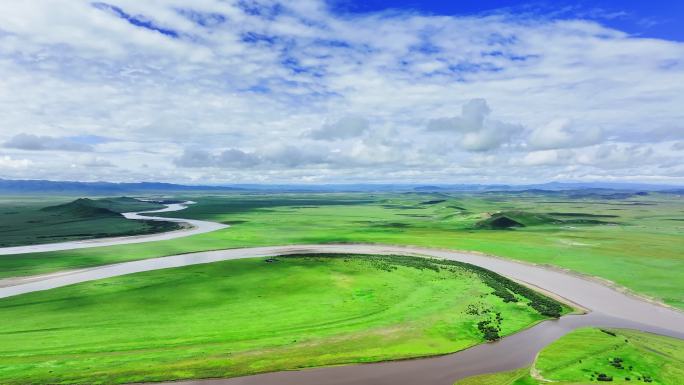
x,y
193,157
229,158
41,143
344,128
276,155
563,133
473,129
473,114
11,163
98,162
611,156
237,158
545,158
212,92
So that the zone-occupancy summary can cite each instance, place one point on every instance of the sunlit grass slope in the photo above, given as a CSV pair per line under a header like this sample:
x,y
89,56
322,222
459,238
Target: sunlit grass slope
x,y
247,316
634,240
590,356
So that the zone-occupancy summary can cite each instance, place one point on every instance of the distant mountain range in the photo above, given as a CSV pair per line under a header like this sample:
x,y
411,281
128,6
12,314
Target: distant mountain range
x,y
8,187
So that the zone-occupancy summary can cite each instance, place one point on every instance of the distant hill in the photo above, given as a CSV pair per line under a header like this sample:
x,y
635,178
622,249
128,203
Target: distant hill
x,y
81,208
602,189
498,222
9,187
518,218
81,218
599,188
106,207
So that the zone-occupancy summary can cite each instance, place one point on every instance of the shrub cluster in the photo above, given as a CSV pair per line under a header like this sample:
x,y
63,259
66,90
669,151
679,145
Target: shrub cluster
x,y
616,363
489,330
507,290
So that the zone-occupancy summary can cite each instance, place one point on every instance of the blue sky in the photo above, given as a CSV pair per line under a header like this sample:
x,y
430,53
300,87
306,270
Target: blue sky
x,y
661,19
309,91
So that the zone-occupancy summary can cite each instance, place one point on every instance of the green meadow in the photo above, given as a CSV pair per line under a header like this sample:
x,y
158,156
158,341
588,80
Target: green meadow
x,y
588,356
256,315
634,240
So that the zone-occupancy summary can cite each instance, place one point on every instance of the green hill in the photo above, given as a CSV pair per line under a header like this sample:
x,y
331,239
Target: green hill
x,y
517,218
82,208
498,222
82,218
87,207
511,219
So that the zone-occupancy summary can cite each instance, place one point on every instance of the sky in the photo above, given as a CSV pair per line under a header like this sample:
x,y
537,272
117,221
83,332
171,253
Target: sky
x,y
306,91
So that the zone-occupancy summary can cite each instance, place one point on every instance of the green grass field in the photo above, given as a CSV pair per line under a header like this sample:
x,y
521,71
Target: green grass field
x,y
247,316
588,356
636,241
28,221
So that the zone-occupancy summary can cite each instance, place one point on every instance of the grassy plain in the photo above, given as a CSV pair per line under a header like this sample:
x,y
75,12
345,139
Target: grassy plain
x,y
200,321
636,241
28,221
588,356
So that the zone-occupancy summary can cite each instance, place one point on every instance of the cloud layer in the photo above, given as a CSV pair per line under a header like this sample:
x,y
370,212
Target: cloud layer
x,y
261,91
32,142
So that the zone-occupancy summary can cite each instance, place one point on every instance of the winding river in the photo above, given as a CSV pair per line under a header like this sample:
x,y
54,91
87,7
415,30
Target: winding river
x,y
194,227
606,307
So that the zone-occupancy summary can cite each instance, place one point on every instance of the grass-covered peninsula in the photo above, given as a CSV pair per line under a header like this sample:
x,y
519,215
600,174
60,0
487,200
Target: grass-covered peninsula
x,y
255,315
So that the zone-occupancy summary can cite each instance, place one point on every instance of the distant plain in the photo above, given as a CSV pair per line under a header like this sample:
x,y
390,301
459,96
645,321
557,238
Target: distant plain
x,y
635,241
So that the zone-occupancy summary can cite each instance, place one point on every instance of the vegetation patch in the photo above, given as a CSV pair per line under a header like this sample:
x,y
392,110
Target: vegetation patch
x,y
433,202
585,215
591,355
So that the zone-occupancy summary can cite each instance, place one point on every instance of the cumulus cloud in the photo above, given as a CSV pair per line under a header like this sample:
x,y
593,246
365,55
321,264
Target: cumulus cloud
x,y
276,155
290,157
564,133
192,157
473,114
230,158
345,128
8,162
613,156
97,162
546,158
237,158
32,142
296,156
473,129
191,89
